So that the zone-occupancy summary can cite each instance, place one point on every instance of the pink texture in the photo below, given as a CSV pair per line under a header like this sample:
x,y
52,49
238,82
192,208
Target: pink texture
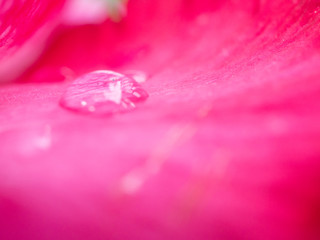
x,y
25,27
227,145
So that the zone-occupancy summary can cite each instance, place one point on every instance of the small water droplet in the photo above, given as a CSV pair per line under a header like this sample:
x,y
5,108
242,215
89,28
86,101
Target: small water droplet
x,y
138,76
103,92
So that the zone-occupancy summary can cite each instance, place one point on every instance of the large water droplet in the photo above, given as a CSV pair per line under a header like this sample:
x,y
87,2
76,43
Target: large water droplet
x,y
103,92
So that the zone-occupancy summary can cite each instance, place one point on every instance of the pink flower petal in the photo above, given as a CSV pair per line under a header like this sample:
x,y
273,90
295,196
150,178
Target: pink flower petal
x,y
25,27
226,146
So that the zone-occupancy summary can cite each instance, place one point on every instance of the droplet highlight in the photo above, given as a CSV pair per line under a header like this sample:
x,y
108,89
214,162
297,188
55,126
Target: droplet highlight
x,y
102,93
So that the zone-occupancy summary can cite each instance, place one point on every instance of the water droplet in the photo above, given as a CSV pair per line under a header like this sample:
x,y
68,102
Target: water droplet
x,y
102,93
138,76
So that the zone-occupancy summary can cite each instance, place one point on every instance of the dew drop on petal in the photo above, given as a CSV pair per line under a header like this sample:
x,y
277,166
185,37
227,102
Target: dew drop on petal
x,y
138,76
102,93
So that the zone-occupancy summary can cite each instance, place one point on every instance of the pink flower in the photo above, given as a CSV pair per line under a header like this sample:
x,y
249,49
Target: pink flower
x,y
227,145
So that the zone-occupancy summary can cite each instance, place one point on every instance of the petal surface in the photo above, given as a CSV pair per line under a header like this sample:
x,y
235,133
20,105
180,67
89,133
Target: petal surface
x,y
227,145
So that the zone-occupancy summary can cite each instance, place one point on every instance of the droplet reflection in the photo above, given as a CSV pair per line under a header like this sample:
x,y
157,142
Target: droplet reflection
x,y
103,92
